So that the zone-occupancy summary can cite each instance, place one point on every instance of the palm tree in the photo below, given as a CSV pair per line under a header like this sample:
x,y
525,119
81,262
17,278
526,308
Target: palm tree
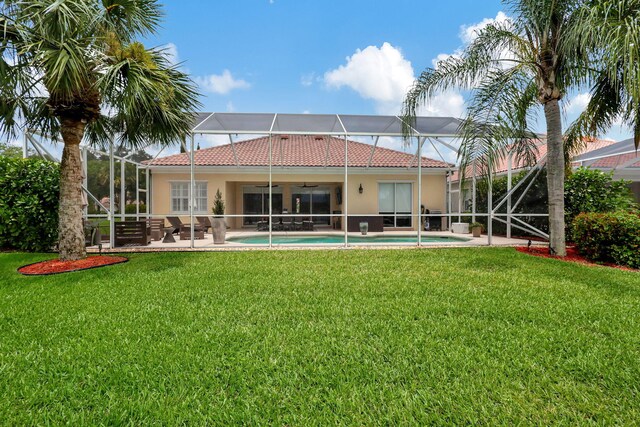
x,y
73,68
612,30
512,68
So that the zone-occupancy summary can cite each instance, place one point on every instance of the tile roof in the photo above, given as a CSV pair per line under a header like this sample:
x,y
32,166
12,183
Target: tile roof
x,y
614,162
591,144
297,151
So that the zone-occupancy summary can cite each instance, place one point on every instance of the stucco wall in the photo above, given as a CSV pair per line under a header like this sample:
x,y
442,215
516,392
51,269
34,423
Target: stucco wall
x,y
230,184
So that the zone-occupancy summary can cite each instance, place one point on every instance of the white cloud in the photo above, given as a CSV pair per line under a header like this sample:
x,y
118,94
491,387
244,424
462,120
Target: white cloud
x,y
578,103
170,51
306,112
380,74
447,104
308,79
468,33
221,84
230,107
444,57
384,76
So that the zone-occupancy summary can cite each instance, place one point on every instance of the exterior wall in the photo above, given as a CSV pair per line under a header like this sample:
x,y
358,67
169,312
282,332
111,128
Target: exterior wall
x,y
231,186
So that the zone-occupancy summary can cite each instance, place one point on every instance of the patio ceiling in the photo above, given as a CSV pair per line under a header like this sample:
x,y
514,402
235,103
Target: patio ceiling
x,y
321,124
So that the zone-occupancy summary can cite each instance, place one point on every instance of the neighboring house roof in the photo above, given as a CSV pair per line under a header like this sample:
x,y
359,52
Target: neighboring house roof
x,y
619,155
298,151
590,144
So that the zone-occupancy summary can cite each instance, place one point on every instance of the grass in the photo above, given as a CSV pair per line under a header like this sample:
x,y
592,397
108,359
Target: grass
x,y
451,336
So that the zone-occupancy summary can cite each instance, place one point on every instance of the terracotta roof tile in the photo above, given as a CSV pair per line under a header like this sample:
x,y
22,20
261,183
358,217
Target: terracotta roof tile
x,y
297,151
590,145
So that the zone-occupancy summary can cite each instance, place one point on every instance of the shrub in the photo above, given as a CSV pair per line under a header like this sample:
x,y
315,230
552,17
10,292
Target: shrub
x,y
591,190
29,204
131,208
609,237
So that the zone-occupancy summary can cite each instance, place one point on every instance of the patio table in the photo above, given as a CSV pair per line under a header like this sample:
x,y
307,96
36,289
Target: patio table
x,y
168,235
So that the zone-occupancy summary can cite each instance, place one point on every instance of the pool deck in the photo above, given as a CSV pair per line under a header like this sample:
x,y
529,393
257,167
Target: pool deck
x,y
207,244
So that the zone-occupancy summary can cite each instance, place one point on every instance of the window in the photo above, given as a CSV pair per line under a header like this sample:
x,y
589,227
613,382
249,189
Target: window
x,y
394,202
180,197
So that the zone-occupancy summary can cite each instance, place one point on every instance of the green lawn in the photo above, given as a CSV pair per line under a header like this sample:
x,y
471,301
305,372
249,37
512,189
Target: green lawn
x,y
448,336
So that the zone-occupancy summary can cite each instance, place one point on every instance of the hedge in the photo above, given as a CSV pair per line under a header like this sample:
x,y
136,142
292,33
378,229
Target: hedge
x,y
29,204
609,237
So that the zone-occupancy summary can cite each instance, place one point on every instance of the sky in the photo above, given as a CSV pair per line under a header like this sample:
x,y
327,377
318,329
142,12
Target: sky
x,y
324,56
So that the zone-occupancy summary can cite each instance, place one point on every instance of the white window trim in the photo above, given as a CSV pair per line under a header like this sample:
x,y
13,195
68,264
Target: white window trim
x,y
196,211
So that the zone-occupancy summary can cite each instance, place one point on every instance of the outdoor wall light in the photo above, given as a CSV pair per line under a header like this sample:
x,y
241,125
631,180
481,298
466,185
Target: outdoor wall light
x,y
360,189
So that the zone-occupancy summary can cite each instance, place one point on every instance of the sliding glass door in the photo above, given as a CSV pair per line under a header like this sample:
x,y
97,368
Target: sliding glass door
x,y
312,201
255,201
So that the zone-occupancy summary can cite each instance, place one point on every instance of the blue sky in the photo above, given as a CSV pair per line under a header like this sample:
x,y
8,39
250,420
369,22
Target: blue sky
x,y
329,56
325,56
280,53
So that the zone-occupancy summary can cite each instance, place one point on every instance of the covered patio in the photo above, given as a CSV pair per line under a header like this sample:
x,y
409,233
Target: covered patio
x,y
293,199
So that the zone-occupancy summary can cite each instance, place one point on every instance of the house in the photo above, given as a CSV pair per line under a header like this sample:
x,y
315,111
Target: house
x,y
622,158
517,165
308,176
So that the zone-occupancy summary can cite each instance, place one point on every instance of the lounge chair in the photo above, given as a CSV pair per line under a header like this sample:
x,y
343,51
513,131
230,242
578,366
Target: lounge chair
x,y
175,223
205,222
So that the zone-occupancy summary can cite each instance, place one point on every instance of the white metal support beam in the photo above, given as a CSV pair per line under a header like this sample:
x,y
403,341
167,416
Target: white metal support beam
x,y
473,191
112,227
373,150
345,199
192,195
233,149
123,197
273,123
509,185
420,141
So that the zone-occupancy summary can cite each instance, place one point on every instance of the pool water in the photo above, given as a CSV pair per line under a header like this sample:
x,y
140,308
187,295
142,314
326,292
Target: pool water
x,y
338,239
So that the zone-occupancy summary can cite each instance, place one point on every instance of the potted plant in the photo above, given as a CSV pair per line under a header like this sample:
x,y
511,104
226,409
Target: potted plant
x,y
364,228
476,228
218,225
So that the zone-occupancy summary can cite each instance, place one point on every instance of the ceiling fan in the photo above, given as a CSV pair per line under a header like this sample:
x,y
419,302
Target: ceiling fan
x,y
304,185
267,186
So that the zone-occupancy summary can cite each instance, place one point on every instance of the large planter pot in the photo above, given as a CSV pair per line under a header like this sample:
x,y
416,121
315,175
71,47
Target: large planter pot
x,y
477,231
219,230
364,228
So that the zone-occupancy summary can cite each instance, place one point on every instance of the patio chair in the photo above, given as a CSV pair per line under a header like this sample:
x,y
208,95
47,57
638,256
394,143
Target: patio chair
x,y
185,231
175,223
287,223
157,228
205,222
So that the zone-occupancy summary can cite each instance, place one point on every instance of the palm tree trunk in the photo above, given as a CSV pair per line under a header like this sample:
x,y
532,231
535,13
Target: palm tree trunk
x,y
555,177
71,232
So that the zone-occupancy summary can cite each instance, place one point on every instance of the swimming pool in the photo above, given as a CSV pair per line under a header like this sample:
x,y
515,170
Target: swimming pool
x,y
337,239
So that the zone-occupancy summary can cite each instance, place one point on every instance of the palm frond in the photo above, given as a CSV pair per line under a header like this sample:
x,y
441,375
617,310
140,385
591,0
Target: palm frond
x,y
483,55
499,122
153,102
130,18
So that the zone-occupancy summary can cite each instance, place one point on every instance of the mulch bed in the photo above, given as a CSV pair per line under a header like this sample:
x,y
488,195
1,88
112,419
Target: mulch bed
x,y
572,256
55,266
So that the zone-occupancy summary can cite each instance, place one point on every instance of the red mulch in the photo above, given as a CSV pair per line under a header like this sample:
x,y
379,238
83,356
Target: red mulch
x,y
572,256
55,266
